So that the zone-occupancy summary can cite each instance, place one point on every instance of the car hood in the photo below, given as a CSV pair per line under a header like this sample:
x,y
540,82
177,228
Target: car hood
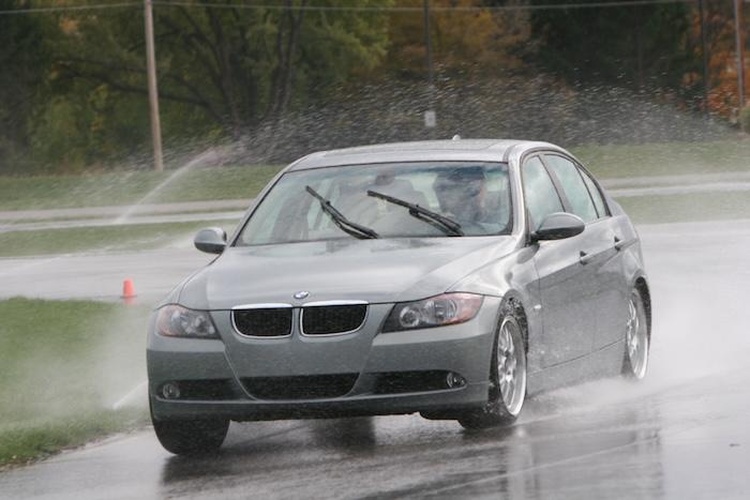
x,y
376,271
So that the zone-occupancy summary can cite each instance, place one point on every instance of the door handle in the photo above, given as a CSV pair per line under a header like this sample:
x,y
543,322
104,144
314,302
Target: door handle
x,y
584,258
619,244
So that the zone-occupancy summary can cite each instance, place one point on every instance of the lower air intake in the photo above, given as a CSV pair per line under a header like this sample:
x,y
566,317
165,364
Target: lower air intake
x,y
300,387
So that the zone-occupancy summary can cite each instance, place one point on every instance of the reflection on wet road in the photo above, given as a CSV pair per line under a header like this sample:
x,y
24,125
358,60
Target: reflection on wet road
x,y
682,433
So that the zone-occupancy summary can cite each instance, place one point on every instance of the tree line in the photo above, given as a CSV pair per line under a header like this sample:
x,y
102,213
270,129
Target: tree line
x,y
73,85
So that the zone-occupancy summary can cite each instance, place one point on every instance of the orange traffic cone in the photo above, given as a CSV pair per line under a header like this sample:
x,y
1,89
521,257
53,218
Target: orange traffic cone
x,y
128,291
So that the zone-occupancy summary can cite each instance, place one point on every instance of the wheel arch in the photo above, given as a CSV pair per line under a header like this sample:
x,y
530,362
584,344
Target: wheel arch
x,y
513,302
642,286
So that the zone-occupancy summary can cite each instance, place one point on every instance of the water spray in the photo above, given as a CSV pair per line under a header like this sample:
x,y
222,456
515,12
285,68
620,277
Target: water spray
x,y
135,394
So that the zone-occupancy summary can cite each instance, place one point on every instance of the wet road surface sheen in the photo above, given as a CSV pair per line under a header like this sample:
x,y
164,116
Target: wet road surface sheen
x,y
683,433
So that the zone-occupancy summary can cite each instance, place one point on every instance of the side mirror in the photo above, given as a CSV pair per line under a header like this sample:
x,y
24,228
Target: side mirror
x,y
211,240
559,226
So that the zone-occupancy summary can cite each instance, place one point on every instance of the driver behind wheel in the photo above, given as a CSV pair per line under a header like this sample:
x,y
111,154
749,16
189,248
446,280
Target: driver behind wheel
x,y
461,194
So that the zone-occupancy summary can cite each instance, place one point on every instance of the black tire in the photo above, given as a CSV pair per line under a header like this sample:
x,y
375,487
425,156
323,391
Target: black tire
x,y
507,373
637,338
191,437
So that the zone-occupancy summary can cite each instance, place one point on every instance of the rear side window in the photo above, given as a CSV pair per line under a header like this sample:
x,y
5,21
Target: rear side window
x,y
539,191
574,187
596,195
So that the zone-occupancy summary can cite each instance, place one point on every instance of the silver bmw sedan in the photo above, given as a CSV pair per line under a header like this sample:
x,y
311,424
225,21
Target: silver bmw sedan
x,y
450,278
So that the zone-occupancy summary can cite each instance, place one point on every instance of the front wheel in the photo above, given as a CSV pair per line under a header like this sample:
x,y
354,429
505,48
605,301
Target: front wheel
x,y
507,377
637,338
191,437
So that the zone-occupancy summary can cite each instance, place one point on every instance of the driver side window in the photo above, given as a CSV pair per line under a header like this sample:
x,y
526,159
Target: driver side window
x,y
540,193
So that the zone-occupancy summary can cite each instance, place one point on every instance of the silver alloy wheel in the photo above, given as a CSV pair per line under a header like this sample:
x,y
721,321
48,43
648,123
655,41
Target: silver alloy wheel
x,y
511,365
507,377
636,338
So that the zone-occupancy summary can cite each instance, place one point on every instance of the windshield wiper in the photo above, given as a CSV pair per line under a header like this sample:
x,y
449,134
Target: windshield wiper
x,y
444,224
349,227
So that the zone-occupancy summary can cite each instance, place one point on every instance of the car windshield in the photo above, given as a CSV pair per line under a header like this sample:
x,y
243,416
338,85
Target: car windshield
x,y
416,199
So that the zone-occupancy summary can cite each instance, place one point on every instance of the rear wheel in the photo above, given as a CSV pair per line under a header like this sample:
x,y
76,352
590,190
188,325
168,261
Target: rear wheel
x,y
191,437
637,339
507,376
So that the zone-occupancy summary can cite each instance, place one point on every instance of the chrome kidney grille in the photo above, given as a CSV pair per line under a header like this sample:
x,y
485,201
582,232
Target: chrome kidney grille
x,y
272,320
318,318
332,319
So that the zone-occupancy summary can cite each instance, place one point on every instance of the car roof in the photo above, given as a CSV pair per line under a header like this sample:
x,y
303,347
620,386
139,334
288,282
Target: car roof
x,y
442,150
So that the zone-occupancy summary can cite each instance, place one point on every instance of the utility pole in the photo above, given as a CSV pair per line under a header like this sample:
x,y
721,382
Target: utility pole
x,y
704,52
740,43
153,93
430,118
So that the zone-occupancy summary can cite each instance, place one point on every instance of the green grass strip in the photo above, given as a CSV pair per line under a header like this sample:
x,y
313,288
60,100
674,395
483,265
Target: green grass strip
x,y
102,238
244,182
33,440
127,188
687,207
665,159
64,366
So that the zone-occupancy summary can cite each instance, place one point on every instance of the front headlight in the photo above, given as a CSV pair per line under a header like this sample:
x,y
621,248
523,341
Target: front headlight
x,y
177,321
446,309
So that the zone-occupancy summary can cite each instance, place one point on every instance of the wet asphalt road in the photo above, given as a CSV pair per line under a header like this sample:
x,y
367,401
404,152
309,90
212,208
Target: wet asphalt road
x,y
683,433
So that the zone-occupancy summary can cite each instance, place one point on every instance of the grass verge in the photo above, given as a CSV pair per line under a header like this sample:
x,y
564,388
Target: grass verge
x,y
646,160
34,440
64,367
102,238
127,188
687,207
244,182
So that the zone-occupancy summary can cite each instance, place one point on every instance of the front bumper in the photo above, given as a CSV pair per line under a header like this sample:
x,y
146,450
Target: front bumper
x,y
436,370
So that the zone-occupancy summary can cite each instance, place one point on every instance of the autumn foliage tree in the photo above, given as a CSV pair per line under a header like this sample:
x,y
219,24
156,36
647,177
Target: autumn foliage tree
x,y
467,39
715,25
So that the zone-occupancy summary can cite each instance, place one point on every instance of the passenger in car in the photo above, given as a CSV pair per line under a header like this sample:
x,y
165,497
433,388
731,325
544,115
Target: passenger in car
x,y
367,210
